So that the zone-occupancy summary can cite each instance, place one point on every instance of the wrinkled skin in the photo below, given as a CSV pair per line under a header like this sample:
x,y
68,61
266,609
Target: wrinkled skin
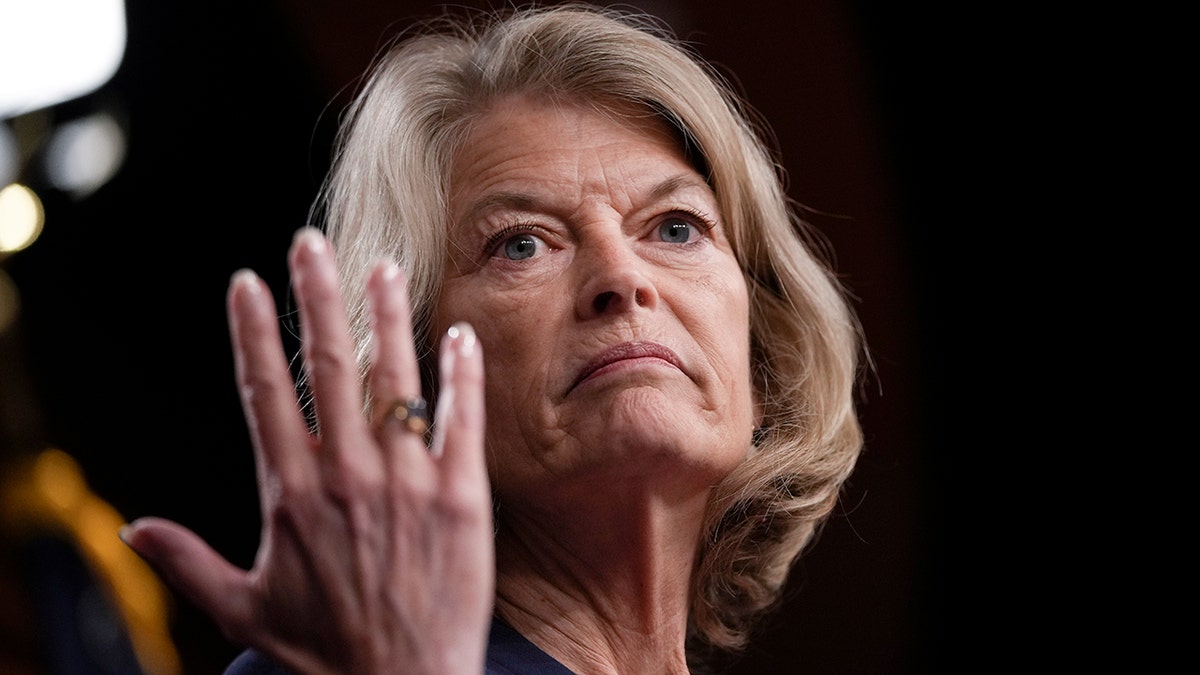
x,y
594,263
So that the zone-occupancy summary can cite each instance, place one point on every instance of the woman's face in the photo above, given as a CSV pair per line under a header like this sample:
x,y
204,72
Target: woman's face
x,y
593,262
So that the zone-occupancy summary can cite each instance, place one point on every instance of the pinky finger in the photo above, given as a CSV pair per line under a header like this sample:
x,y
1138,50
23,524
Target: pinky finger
x,y
459,431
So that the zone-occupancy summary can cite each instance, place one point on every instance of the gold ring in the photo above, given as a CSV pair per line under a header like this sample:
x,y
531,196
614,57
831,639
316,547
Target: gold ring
x,y
412,413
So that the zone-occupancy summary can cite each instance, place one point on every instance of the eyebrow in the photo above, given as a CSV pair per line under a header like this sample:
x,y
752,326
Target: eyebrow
x,y
677,183
519,201
515,201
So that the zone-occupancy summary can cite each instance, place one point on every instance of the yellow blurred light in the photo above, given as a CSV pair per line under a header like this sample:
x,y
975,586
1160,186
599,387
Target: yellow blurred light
x,y
47,494
21,217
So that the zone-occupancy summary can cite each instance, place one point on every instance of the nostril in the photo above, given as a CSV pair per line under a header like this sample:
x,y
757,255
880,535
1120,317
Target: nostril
x,y
601,301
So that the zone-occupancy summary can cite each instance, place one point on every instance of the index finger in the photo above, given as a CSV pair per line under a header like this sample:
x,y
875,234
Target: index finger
x,y
276,424
326,343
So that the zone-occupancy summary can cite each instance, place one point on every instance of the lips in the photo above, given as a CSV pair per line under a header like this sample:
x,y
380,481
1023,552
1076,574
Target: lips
x,y
624,352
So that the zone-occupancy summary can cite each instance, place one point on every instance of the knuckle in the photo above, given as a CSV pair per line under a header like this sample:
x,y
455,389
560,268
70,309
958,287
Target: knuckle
x,y
326,357
258,389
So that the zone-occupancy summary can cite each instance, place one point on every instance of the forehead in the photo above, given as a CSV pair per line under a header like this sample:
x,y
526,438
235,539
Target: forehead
x,y
542,145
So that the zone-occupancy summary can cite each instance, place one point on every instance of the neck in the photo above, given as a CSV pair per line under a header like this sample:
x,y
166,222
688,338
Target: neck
x,y
605,589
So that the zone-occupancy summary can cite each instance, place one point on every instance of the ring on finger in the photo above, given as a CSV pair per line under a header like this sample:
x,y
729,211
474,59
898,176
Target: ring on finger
x,y
411,413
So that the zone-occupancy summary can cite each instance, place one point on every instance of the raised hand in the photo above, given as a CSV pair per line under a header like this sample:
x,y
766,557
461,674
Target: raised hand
x,y
376,553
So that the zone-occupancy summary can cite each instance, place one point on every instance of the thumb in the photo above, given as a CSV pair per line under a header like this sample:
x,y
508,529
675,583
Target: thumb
x,y
191,567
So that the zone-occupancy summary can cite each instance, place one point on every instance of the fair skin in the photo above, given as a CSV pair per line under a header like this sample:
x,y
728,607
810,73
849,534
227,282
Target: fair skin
x,y
376,553
617,391
579,241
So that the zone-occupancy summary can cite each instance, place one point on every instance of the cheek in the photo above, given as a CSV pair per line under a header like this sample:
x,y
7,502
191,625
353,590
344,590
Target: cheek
x,y
516,331
721,314
726,342
508,323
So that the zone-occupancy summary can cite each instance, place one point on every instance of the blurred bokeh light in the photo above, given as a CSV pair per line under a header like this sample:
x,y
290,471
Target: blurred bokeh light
x,y
56,50
83,154
21,217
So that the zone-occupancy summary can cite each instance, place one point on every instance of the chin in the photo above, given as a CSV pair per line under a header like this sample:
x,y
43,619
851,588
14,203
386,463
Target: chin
x,y
680,447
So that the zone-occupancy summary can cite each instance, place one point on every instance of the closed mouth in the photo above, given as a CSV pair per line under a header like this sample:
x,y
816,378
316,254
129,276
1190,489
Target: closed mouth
x,y
624,352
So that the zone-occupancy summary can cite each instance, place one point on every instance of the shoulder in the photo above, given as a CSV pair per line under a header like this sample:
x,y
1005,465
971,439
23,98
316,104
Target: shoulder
x,y
509,653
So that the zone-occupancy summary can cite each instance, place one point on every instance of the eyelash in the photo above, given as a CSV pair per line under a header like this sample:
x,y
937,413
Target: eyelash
x,y
701,220
489,247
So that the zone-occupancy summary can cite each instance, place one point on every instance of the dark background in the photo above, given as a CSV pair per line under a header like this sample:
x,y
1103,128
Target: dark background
x,y
230,107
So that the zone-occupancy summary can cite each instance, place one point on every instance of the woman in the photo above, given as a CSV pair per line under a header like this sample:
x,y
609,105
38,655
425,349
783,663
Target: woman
x,y
643,374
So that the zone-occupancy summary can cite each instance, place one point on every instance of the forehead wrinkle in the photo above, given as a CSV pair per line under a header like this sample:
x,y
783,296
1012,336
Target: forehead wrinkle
x,y
629,179
602,175
519,201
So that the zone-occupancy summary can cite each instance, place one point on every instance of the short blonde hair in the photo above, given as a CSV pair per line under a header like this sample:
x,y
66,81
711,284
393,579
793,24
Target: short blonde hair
x,y
387,196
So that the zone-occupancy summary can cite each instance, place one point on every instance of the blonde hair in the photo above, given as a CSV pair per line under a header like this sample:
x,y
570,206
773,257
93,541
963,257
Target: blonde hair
x,y
387,196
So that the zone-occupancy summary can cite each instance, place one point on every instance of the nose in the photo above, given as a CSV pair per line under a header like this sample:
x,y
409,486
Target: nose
x,y
616,280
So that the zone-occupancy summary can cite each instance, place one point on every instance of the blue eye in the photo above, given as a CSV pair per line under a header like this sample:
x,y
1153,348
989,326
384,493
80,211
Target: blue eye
x,y
676,230
520,247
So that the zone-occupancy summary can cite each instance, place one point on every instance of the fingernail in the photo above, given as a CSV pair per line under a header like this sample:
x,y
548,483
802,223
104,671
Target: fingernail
x,y
123,534
245,278
389,270
310,238
464,337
